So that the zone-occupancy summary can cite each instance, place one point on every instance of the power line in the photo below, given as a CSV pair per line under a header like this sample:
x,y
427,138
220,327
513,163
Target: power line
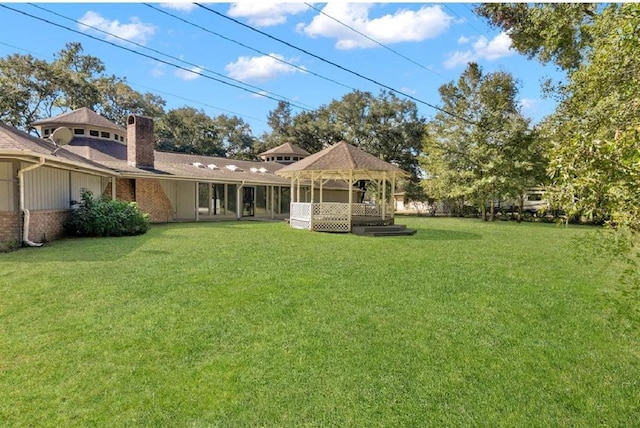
x,y
247,46
159,52
196,102
155,89
374,41
467,22
333,63
146,56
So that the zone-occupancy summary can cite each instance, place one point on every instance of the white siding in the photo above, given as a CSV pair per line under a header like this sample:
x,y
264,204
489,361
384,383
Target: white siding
x,y
6,186
170,189
46,189
185,200
81,181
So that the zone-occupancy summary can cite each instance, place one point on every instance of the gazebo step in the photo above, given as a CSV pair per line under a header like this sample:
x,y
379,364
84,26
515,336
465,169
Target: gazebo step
x,y
392,230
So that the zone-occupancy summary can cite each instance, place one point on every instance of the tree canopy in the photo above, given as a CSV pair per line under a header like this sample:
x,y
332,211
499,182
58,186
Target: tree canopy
x,y
483,151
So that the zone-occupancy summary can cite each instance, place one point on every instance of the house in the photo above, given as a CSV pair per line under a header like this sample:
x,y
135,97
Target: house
x,y
40,178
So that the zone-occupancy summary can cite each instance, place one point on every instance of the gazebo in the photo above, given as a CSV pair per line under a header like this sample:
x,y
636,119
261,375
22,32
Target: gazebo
x,y
348,164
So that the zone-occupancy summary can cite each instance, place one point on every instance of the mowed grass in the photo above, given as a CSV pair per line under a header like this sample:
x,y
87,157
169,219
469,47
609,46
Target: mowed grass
x,y
256,324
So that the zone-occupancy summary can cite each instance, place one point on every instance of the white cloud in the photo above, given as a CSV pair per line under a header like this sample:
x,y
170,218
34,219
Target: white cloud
x,y
191,74
266,14
136,31
482,48
528,105
180,6
404,25
462,40
259,68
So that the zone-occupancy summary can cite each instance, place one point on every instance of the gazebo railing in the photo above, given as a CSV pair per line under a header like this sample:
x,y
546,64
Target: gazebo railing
x,y
330,216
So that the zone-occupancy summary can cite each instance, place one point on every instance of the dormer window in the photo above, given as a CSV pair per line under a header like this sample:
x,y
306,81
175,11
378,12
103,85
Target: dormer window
x,y
94,133
46,132
78,131
104,134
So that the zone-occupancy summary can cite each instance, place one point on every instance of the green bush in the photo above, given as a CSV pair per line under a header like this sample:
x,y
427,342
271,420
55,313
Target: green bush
x,y
105,217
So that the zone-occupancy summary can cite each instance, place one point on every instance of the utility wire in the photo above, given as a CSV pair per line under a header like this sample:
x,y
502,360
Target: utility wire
x,y
196,102
467,21
146,56
374,41
247,46
156,90
158,52
334,64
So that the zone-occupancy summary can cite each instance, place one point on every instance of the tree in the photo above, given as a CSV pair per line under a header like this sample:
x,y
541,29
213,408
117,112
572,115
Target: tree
x,y
118,100
188,130
557,32
480,151
594,132
235,137
34,89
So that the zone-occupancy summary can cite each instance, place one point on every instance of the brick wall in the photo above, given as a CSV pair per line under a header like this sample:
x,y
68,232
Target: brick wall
x,y
9,228
149,195
47,225
151,199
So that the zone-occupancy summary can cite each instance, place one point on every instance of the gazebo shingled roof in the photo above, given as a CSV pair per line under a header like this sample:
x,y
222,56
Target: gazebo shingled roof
x,y
339,159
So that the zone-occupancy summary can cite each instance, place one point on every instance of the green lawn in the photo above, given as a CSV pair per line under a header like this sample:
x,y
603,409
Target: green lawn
x,y
256,324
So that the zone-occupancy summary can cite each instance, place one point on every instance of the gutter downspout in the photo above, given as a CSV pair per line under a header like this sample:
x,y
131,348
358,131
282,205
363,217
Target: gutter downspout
x,y
23,210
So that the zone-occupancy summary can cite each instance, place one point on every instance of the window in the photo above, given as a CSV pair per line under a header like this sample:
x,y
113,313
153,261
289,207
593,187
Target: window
x,y
78,131
104,134
287,158
279,158
122,138
46,132
93,133
116,137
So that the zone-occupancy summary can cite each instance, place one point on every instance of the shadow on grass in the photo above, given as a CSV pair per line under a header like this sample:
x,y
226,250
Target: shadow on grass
x,y
77,250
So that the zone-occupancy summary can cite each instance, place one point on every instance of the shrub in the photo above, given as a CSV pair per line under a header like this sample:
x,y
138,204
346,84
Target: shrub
x,y
105,217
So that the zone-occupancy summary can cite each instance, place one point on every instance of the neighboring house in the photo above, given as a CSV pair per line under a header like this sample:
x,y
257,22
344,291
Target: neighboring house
x,y
41,178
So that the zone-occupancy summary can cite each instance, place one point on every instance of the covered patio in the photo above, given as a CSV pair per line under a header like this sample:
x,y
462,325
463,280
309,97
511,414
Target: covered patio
x,y
349,164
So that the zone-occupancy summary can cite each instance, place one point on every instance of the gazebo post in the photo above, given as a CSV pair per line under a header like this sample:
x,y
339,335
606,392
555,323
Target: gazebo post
x,y
350,188
384,195
393,195
293,199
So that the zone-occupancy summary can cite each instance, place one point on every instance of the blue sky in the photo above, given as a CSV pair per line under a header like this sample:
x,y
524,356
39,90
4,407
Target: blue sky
x,y
433,42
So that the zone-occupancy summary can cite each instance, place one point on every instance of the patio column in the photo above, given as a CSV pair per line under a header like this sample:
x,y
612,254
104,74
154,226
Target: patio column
x,y
293,198
113,188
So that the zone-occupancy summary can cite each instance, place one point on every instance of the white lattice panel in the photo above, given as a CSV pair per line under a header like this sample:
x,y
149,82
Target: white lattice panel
x,y
366,210
331,226
334,210
300,210
299,224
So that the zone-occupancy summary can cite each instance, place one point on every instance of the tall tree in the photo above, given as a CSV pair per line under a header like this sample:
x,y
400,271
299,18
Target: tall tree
x,y
594,133
480,151
118,100
235,137
34,89
188,130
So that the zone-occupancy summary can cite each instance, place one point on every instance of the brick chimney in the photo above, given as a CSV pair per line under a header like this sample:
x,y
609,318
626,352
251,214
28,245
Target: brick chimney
x,y
140,142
